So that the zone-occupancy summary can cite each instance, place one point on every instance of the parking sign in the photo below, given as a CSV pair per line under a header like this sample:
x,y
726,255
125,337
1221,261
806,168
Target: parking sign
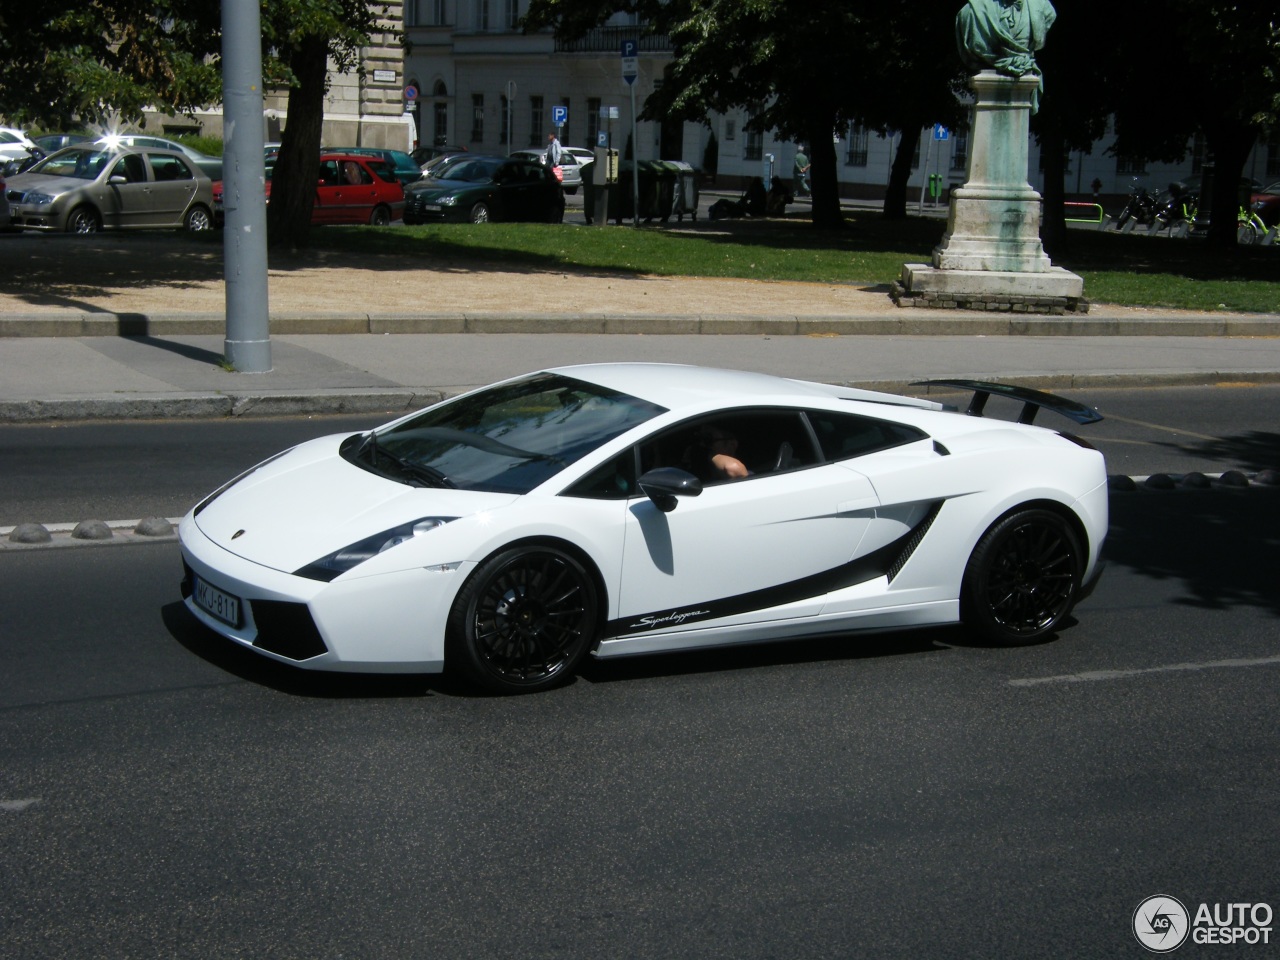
x,y
559,116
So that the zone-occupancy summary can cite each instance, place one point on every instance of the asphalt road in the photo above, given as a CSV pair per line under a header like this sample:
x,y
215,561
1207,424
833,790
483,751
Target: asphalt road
x,y
902,795
895,795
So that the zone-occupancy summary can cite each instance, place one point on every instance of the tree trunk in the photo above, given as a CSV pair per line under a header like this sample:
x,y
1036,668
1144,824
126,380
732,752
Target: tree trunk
x,y
1053,225
895,197
823,179
1230,143
293,183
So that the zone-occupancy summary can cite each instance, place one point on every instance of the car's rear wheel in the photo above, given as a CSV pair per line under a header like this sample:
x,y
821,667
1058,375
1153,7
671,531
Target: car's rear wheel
x,y
380,217
1022,578
83,220
524,620
480,213
198,219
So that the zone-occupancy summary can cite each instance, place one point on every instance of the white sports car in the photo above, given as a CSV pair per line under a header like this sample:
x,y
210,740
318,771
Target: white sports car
x,y
619,509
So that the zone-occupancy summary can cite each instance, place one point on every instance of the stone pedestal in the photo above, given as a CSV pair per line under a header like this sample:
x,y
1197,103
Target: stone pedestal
x,y
991,253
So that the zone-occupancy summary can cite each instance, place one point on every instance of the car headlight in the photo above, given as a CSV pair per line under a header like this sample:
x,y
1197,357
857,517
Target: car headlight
x,y
39,199
340,561
448,201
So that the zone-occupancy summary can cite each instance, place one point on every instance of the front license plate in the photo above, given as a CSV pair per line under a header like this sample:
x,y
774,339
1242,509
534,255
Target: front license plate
x,y
217,603
434,207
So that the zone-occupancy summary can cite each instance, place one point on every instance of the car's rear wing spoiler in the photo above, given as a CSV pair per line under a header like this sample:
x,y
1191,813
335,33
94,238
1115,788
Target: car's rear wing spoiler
x,y
1031,400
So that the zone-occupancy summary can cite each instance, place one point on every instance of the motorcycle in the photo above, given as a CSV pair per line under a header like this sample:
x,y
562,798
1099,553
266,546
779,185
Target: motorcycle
x,y
1140,208
1177,206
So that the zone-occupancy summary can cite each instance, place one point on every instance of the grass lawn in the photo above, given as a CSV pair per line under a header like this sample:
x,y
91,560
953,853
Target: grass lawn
x,y
1130,269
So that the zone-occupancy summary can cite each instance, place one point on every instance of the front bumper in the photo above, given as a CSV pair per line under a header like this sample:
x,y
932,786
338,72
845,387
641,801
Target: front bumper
x,y
391,623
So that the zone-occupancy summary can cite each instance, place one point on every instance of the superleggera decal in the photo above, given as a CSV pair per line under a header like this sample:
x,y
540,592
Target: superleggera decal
x,y
877,564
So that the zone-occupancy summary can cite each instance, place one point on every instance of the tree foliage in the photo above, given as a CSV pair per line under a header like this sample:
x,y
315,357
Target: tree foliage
x,y
64,62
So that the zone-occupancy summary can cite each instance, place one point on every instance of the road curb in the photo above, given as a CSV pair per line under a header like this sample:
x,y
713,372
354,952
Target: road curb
x,y
893,322
229,406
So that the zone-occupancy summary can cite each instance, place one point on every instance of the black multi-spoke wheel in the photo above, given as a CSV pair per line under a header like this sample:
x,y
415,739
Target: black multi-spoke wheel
x,y
1023,577
523,620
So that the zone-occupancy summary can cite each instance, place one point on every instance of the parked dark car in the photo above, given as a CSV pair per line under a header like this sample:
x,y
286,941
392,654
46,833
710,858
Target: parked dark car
x,y
423,154
483,188
406,170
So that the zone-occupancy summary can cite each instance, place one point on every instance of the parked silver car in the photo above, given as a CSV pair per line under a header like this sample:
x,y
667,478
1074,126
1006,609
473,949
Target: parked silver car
x,y
568,166
89,187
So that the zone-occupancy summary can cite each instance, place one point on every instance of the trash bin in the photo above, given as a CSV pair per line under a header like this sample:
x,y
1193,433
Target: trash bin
x,y
656,180
685,200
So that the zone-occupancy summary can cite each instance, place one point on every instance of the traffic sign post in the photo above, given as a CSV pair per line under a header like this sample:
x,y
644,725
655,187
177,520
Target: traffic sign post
x,y
559,116
631,70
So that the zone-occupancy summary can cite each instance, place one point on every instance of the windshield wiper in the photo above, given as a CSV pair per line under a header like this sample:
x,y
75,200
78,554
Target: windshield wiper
x,y
425,475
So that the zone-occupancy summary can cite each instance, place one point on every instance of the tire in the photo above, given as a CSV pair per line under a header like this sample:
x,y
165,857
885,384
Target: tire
x,y
381,216
1247,233
523,621
83,220
1022,578
198,219
480,213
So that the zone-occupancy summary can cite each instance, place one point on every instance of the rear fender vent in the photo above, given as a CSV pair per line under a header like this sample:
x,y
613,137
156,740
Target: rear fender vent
x,y
913,541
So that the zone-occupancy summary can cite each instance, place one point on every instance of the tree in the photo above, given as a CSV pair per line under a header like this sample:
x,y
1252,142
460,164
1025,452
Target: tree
x,y
1226,87
806,71
65,62
306,36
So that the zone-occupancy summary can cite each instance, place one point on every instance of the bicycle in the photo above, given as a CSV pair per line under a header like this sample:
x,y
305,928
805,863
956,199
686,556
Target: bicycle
x,y
1250,228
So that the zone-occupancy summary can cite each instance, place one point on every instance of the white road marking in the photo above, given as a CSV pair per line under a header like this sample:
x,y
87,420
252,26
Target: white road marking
x,y
17,806
1090,675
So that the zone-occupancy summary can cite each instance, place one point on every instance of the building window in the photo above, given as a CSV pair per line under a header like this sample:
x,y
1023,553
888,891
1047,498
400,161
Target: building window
x,y
513,14
484,14
730,127
477,118
752,140
1126,167
436,15
537,121
504,119
960,151
440,118
856,155
593,122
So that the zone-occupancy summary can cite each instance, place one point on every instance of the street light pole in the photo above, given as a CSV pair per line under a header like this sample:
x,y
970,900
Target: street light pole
x,y
247,345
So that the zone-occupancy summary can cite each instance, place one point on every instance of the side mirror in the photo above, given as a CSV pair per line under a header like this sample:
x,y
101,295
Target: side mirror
x,y
665,484
117,178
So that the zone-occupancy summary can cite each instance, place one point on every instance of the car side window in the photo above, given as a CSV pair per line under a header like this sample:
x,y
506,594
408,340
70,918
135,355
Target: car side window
x,y
733,445
330,173
845,435
166,167
613,480
131,168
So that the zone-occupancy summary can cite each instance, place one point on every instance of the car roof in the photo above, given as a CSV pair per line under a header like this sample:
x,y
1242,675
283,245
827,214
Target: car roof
x,y
676,386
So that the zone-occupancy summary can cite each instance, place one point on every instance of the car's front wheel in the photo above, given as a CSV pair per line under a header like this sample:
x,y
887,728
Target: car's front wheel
x,y
1022,578
524,620
480,213
83,220
198,219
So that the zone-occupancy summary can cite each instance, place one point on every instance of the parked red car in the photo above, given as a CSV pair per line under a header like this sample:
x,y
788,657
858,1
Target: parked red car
x,y
1266,203
349,189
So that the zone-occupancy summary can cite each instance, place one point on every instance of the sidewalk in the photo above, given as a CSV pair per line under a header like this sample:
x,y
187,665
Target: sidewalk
x,y
144,338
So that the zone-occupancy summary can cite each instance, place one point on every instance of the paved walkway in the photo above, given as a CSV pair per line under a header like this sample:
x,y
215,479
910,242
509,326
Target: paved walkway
x,y
144,337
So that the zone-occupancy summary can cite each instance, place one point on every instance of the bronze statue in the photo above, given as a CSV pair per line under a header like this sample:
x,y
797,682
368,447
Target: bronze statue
x,y
1003,35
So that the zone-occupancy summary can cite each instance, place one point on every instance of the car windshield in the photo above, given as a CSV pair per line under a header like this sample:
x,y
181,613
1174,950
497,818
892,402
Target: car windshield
x,y
74,164
506,439
469,170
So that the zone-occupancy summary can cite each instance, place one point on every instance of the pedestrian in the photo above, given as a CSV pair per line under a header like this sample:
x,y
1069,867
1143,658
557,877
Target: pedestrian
x,y
801,176
1097,189
554,150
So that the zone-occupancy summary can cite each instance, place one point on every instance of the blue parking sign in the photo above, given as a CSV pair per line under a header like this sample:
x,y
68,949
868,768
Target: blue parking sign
x,y
559,116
